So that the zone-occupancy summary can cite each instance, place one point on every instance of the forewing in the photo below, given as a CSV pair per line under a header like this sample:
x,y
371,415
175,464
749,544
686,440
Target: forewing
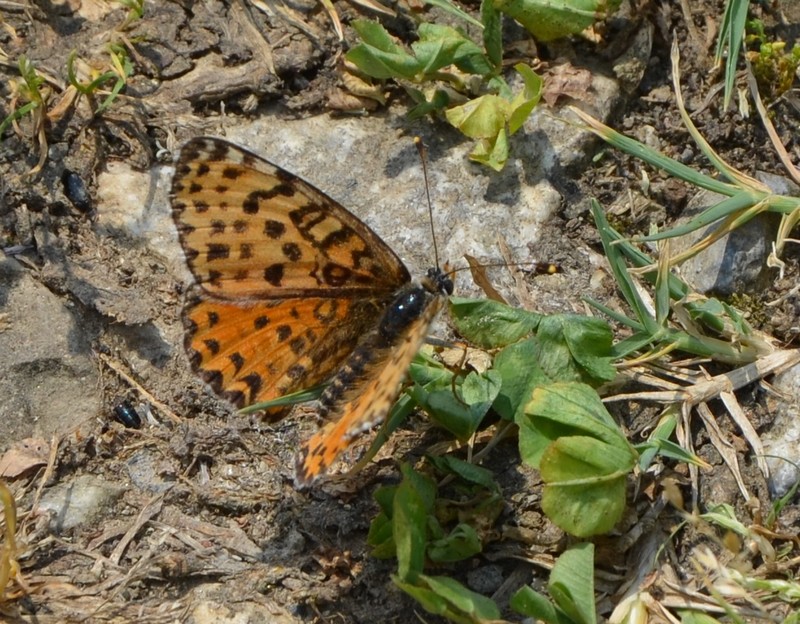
x,y
251,230
258,352
366,403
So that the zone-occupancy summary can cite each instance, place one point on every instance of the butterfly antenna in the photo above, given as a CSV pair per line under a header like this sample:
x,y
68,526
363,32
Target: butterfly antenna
x,y
423,156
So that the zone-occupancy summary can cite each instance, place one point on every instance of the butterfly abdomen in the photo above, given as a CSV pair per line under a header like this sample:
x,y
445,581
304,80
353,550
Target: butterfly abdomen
x,y
349,376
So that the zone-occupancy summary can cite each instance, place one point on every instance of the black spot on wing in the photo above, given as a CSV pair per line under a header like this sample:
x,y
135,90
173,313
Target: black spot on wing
x,y
273,274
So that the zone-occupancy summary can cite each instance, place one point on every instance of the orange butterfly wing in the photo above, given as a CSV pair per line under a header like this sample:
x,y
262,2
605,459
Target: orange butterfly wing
x,y
287,279
251,230
251,354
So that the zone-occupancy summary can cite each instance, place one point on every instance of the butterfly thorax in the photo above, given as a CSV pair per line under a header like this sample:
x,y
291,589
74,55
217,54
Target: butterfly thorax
x,y
410,302
414,302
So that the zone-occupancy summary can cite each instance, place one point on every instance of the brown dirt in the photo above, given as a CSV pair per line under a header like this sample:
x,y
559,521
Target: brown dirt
x,y
219,526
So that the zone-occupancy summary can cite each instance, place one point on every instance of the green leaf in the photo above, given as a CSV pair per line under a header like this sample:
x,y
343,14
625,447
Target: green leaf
x,y
468,602
480,388
695,617
413,502
724,515
460,415
520,374
571,583
439,46
378,55
492,33
725,208
301,396
428,103
429,373
452,46
490,324
582,455
557,410
660,434
731,33
656,158
716,314
461,543
496,84
552,19
492,152
576,348
589,340
526,100
18,113
582,494
481,118
529,602
574,409
376,36
381,536
429,599
467,471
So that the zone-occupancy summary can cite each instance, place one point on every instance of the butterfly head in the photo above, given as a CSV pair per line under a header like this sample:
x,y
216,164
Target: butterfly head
x,y
438,281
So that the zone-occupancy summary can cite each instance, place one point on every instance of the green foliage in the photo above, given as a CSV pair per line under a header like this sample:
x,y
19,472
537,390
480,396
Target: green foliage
x,y
31,91
459,403
490,119
34,93
582,455
774,67
553,19
535,350
445,71
448,598
571,588
135,12
489,324
412,526
712,328
121,70
439,73
542,379
735,341
731,33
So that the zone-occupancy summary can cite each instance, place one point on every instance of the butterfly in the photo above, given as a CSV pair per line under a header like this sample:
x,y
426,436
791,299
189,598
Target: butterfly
x,y
292,289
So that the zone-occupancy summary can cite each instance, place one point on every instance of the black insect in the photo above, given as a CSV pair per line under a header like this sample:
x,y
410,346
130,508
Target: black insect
x,y
75,190
127,415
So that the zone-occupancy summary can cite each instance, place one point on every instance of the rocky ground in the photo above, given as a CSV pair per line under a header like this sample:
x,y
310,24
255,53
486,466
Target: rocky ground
x,y
193,517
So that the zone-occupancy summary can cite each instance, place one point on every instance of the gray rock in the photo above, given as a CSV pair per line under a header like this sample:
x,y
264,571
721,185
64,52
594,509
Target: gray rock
x,y
375,172
737,263
78,502
486,579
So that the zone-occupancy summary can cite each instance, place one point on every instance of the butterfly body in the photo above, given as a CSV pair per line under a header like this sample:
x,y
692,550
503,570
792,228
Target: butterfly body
x,y
370,378
291,288
409,304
